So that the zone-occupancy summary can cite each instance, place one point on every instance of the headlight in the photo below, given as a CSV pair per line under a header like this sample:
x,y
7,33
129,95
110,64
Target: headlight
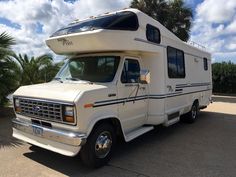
x,y
69,111
17,105
17,102
69,114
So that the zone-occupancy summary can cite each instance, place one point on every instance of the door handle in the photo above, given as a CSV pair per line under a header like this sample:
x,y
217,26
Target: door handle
x,y
142,88
111,94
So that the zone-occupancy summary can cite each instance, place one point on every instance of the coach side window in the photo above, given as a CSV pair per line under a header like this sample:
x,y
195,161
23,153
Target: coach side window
x,y
131,71
205,64
176,66
153,34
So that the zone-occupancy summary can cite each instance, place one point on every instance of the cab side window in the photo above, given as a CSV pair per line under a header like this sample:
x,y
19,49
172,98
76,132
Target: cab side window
x,y
131,71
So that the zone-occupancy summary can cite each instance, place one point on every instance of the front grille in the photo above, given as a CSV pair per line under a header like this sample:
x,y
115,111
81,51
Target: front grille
x,y
41,109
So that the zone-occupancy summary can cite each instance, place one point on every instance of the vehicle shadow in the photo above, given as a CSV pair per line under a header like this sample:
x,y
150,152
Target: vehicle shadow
x,y
160,149
6,139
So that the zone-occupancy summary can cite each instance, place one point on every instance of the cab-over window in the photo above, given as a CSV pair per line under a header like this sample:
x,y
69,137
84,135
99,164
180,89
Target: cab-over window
x,y
127,21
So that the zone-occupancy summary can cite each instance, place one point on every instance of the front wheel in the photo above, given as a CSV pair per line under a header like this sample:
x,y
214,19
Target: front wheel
x,y
99,146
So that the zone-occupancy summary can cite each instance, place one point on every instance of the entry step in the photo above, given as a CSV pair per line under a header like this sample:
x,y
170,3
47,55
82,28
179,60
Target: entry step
x,y
137,132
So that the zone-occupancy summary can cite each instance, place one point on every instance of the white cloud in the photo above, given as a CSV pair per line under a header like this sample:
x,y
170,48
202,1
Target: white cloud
x,y
26,44
216,12
215,27
232,46
231,28
51,15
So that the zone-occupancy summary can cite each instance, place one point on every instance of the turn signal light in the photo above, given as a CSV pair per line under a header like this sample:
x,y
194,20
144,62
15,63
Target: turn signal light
x,y
88,105
69,119
18,109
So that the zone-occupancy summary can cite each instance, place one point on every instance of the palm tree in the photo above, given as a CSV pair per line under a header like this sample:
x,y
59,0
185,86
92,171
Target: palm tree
x,y
174,15
36,70
179,20
49,72
8,71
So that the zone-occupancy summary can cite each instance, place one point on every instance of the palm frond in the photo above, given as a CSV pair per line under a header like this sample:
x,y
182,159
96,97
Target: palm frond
x,y
6,40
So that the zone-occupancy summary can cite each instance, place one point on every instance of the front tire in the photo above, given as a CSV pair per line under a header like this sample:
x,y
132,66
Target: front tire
x,y
99,146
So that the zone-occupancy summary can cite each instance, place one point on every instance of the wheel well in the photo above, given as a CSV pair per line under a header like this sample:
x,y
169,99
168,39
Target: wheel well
x,y
115,124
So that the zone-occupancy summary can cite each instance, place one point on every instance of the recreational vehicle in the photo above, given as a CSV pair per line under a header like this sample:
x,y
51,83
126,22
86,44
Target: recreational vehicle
x,y
125,74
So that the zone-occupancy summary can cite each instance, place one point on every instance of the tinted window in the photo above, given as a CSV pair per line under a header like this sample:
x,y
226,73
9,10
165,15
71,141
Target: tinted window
x,y
94,69
153,34
205,64
118,21
176,66
131,71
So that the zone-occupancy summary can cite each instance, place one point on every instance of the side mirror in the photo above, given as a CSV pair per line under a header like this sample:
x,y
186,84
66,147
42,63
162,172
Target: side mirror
x,y
144,76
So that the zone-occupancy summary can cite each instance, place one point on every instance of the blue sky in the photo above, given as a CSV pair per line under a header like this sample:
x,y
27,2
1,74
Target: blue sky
x,y
31,22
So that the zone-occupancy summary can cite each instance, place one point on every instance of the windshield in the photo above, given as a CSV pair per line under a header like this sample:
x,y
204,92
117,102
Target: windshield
x,y
93,69
118,21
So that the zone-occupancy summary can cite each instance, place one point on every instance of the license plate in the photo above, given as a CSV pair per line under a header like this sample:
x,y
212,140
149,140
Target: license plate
x,y
37,131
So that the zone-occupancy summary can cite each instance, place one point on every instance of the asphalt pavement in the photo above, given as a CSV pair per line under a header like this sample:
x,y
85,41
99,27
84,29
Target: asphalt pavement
x,y
206,148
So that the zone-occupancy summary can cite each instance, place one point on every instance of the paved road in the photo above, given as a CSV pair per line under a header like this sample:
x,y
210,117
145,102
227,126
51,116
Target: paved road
x,y
206,148
227,99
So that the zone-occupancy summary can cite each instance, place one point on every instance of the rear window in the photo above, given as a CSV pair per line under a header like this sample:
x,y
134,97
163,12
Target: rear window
x,y
119,21
205,64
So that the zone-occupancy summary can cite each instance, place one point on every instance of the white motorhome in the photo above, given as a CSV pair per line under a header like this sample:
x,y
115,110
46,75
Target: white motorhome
x,y
125,74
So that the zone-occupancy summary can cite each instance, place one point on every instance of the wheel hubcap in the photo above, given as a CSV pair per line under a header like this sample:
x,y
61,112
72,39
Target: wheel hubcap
x,y
103,144
194,112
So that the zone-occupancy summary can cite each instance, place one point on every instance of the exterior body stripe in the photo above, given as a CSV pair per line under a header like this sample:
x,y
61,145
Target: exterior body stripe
x,y
143,97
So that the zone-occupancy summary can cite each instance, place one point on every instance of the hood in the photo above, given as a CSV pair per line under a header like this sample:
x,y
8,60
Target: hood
x,y
56,90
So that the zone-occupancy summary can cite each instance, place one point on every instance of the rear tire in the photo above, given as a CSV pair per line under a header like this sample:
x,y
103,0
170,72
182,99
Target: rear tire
x,y
192,115
99,146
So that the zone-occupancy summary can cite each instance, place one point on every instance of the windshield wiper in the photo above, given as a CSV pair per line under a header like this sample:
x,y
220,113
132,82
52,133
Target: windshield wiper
x,y
72,79
76,79
58,79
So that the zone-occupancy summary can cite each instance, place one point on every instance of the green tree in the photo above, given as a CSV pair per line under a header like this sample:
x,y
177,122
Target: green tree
x,y
49,72
224,77
34,70
174,15
8,68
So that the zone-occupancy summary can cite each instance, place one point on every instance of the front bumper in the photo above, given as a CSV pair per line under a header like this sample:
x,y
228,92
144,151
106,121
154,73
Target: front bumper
x,y
57,140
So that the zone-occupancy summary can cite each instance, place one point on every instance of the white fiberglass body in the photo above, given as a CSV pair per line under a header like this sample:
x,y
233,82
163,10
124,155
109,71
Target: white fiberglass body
x,y
60,115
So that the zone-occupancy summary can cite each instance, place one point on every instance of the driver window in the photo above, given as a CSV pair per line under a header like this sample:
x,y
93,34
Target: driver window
x,y
131,71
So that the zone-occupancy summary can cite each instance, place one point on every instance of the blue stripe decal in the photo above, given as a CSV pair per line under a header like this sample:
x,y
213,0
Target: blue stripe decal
x,y
119,99
142,97
193,85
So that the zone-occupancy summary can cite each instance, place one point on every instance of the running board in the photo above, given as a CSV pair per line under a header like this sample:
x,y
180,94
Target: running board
x,y
137,132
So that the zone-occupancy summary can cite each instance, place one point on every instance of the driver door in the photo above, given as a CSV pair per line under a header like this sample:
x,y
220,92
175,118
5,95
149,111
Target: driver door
x,y
133,109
